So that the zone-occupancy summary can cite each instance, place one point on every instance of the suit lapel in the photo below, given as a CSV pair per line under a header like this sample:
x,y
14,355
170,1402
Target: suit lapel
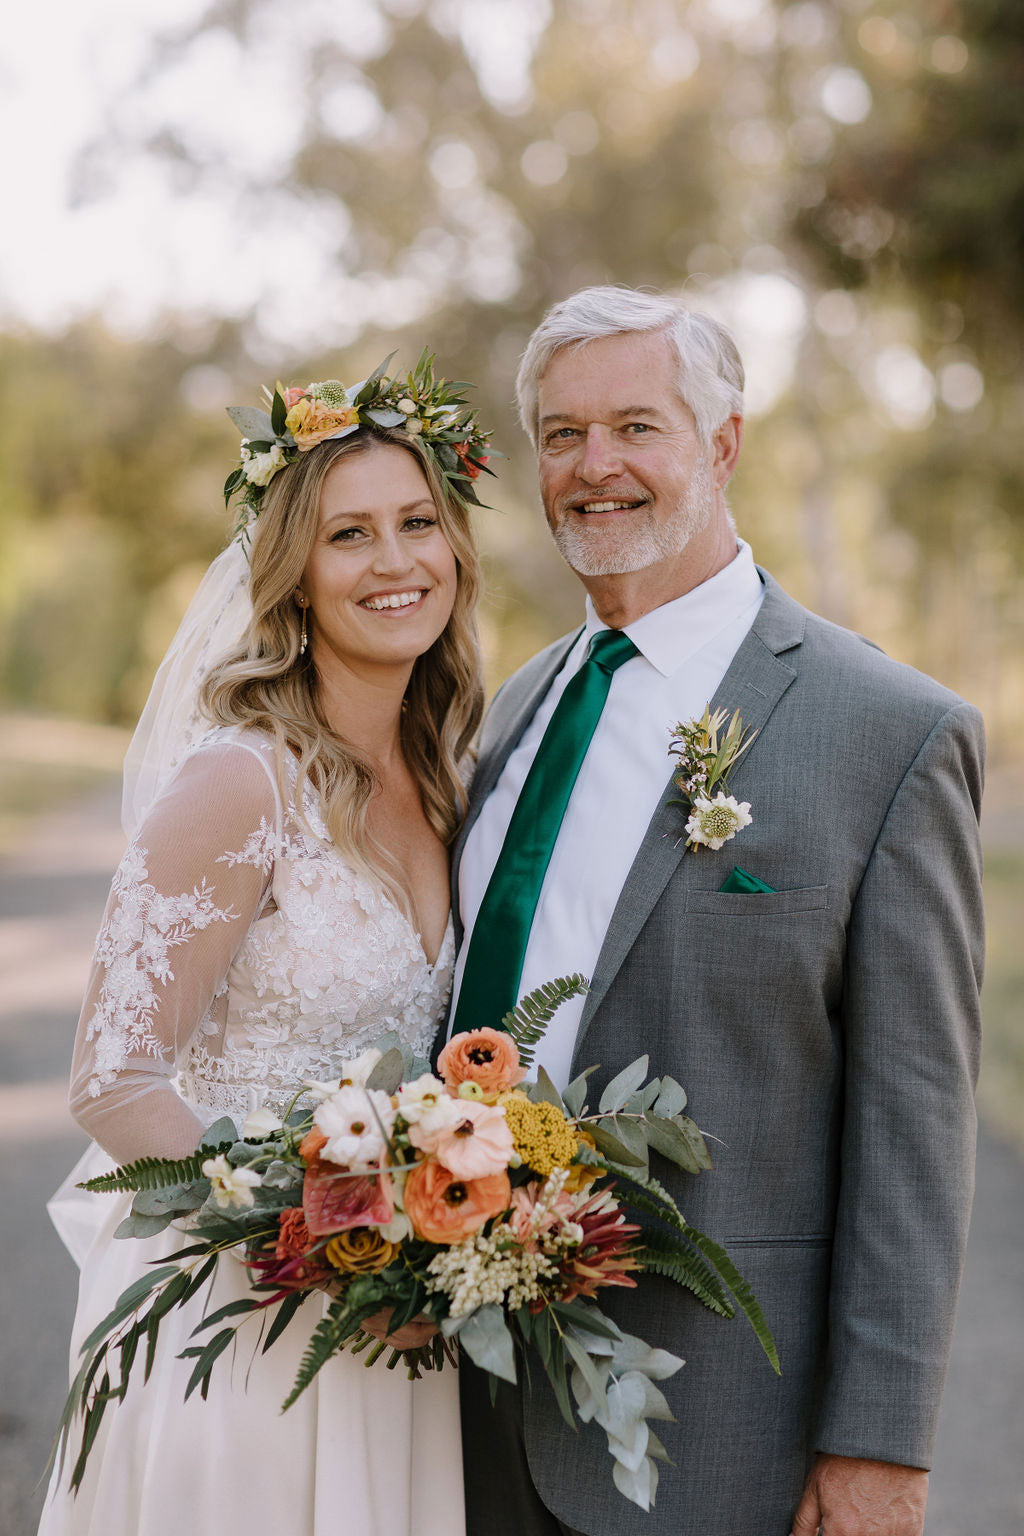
x,y
754,684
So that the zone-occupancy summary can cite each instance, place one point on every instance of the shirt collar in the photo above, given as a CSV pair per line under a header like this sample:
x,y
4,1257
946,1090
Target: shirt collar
x,y
668,636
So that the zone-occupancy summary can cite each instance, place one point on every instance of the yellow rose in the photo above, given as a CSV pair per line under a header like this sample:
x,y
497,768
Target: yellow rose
x,y
360,1251
297,414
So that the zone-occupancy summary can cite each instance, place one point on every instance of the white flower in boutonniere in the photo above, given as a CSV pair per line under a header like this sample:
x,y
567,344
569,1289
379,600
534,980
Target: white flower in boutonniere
x,y
713,822
704,762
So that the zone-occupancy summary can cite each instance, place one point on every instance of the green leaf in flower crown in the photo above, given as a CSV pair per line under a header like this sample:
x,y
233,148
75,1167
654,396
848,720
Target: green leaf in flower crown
x,y
252,422
486,1339
278,412
386,418
625,1083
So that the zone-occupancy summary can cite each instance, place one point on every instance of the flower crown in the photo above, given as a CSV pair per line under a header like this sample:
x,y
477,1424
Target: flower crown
x,y
431,409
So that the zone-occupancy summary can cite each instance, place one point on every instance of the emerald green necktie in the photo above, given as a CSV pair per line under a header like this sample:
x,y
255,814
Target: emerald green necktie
x,y
494,964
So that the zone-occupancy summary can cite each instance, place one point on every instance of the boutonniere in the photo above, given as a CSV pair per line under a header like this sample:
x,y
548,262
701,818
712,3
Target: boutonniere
x,y
705,761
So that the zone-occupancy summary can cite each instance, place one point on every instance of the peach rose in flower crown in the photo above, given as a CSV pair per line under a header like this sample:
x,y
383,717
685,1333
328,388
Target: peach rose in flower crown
x,y
487,1057
444,1209
311,421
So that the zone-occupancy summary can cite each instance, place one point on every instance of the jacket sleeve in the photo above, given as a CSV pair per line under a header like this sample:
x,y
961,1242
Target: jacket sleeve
x,y
181,904
911,1022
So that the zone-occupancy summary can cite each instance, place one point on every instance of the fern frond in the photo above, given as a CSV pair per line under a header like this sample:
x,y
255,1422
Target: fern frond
x,y
531,1016
664,1255
154,1172
327,1338
745,1297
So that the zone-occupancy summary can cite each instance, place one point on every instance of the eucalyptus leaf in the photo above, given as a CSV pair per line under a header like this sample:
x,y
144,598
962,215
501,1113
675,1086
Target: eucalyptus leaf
x,y
488,1343
698,1145
224,1129
544,1091
171,1201
575,1096
631,1133
612,1148
251,421
671,1100
387,1074
386,418
142,1226
666,1137
625,1083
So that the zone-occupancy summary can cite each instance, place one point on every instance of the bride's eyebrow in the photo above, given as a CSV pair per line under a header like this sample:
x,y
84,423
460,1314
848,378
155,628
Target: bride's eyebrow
x,y
357,512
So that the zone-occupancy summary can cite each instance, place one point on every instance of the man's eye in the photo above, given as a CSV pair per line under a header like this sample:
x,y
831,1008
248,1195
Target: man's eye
x,y
561,435
638,427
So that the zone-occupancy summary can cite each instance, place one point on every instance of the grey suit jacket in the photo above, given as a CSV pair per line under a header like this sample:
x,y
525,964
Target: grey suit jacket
x,y
827,1035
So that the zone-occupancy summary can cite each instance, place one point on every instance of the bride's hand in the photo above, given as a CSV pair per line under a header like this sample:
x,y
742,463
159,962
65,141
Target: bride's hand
x,y
415,1333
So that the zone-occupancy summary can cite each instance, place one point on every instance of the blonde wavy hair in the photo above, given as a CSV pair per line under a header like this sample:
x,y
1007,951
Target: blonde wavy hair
x,y
266,685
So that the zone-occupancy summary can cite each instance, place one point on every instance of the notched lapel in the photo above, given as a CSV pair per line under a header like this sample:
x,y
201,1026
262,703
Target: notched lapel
x,y
754,684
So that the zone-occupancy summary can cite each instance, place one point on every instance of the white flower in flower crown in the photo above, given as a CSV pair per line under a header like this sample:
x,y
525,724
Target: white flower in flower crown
x,y
356,1122
413,425
714,822
231,1186
407,406
260,468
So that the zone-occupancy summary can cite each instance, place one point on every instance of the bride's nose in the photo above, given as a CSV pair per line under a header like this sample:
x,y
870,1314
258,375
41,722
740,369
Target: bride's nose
x,y
391,557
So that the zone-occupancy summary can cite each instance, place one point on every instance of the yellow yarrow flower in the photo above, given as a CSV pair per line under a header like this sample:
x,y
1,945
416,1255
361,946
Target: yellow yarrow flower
x,y
543,1137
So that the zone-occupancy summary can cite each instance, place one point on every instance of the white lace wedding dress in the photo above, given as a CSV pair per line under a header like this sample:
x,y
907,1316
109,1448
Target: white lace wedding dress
x,y
240,954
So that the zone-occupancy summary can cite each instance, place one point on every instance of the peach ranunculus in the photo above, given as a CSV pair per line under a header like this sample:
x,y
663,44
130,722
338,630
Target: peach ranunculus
x,y
444,1209
487,1057
480,1141
334,1200
311,421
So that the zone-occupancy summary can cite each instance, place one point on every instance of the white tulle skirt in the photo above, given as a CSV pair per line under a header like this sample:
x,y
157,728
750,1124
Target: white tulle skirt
x,y
364,1452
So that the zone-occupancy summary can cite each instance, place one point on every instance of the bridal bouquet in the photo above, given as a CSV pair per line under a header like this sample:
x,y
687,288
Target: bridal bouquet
x,y
495,1207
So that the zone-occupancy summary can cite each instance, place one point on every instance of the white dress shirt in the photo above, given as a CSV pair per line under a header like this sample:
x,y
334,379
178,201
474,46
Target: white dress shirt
x,y
685,648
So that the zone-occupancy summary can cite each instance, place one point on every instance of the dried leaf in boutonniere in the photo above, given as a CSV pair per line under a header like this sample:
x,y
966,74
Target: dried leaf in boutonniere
x,y
705,761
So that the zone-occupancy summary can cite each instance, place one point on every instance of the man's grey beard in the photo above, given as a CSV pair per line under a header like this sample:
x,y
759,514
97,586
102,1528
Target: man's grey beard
x,y
640,542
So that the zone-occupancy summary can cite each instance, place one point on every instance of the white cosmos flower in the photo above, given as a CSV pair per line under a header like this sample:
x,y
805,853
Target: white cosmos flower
x,y
352,1120
353,1074
420,1097
259,1123
714,822
231,1186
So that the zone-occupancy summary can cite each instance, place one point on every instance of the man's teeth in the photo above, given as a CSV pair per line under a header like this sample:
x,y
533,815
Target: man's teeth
x,y
393,600
608,506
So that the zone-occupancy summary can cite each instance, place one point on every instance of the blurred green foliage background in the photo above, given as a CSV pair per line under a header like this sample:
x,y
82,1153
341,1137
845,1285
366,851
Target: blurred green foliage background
x,y
842,180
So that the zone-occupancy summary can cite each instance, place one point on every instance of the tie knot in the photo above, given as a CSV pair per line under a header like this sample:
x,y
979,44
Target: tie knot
x,y
610,648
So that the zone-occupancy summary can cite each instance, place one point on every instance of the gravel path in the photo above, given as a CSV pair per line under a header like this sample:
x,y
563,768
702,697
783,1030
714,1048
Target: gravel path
x,y
52,890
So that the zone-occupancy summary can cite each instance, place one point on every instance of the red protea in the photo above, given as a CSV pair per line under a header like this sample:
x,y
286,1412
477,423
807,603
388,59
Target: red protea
x,y
605,1254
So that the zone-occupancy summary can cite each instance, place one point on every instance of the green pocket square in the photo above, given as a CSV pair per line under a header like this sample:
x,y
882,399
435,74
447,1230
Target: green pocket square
x,y
742,883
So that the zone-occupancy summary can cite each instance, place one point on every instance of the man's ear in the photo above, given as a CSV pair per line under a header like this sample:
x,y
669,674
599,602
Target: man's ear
x,y
725,447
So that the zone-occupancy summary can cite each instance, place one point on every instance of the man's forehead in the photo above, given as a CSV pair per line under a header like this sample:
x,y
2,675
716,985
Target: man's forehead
x,y
631,374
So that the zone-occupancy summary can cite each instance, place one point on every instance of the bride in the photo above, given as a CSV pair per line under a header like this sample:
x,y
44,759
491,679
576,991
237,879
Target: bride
x,y
283,902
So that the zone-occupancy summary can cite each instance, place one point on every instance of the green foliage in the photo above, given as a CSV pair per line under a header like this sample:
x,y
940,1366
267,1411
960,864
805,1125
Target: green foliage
x,y
529,1019
155,1172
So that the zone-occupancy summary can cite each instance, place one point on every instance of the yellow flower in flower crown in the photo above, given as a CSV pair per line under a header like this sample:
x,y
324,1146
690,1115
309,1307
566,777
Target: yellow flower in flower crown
x,y
544,1139
360,1251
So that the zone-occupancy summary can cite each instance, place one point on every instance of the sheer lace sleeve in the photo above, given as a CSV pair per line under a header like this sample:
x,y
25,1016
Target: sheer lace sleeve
x,y
181,904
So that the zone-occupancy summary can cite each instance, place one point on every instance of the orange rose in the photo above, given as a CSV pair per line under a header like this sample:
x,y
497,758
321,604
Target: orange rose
x,y
487,1057
311,421
444,1209
292,395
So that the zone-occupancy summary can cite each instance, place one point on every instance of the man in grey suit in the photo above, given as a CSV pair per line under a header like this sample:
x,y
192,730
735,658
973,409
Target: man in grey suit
x,y
813,982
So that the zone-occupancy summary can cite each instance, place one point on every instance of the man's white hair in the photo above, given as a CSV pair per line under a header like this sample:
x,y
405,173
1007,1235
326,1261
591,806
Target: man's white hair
x,y
710,375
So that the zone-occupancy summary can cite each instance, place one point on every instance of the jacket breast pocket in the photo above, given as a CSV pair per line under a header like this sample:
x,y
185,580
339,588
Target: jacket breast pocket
x,y
809,898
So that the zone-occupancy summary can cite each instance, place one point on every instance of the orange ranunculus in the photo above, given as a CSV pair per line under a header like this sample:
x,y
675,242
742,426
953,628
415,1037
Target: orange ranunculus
x,y
487,1057
310,1145
444,1209
311,421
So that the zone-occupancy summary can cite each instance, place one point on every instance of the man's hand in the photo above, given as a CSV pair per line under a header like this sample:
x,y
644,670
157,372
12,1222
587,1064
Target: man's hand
x,y
848,1496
